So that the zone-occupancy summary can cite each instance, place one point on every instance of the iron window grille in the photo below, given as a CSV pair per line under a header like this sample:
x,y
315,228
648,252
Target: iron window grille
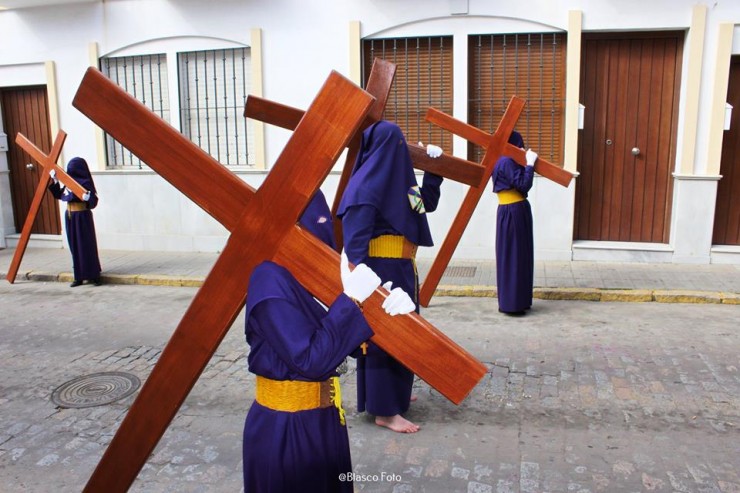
x,y
214,85
145,78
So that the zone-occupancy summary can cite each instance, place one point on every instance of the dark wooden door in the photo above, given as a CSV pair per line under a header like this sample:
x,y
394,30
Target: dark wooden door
x,y
727,212
630,88
26,110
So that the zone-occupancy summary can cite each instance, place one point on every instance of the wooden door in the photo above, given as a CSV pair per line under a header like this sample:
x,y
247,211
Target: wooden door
x,y
727,212
630,88
26,110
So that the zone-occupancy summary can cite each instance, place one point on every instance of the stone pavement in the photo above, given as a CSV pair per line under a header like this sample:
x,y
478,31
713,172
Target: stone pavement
x,y
578,397
577,280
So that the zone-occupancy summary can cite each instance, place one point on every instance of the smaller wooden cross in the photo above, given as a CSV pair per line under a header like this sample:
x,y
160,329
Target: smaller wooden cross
x,y
496,145
48,163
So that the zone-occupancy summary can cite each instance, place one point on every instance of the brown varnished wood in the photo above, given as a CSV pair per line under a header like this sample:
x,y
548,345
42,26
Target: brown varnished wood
x,y
481,138
267,111
26,111
47,162
379,85
411,339
259,232
456,169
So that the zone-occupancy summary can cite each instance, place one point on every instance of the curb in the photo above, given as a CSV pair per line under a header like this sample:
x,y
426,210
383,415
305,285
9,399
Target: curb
x,y
605,294
542,293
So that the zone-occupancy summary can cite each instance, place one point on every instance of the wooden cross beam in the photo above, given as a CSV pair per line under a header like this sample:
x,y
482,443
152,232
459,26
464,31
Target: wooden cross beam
x,y
283,116
47,162
379,85
496,145
260,230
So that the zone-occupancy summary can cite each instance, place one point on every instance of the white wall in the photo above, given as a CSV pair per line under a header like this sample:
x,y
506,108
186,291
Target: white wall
x,y
140,210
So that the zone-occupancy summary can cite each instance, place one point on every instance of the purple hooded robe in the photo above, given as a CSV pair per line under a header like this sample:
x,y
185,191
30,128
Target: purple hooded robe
x,y
292,337
79,225
376,203
514,236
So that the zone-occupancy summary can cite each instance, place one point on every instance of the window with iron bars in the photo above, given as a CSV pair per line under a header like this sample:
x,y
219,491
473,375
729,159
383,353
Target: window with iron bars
x,y
531,66
145,78
214,85
423,79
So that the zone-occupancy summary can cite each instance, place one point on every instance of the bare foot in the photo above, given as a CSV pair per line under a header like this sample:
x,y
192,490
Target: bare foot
x,y
397,423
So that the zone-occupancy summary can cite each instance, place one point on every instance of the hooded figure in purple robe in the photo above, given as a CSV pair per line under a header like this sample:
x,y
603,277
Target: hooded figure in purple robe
x,y
293,339
295,437
79,224
383,221
514,235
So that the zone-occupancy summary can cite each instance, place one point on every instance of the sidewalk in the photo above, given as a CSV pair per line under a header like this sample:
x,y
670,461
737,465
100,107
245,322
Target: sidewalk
x,y
556,280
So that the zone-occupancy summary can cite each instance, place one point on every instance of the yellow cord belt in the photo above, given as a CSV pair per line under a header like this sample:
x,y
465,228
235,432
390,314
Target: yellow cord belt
x,y
511,196
391,246
76,206
295,395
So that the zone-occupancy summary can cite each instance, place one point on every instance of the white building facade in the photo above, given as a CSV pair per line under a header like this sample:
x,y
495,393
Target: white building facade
x,y
674,58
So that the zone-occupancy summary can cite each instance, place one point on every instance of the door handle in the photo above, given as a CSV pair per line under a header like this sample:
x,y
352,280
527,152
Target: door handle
x,y
30,167
635,151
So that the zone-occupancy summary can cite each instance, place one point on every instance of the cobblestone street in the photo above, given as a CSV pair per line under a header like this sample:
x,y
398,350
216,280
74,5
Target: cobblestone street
x,y
579,396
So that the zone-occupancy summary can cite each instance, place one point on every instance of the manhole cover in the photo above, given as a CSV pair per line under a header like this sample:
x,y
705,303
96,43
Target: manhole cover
x,y
97,389
459,271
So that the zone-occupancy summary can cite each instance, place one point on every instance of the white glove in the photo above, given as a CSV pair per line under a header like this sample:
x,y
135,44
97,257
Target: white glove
x,y
531,157
53,176
398,301
359,283
433,151
86,196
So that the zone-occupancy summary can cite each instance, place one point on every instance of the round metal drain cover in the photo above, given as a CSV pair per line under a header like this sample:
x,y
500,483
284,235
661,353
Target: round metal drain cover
x,y
97,389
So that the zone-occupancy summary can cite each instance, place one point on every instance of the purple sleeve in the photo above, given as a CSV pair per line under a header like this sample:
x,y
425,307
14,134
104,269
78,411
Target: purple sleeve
x,y
56,190
508,174
358,223
93,202
306,348
430,191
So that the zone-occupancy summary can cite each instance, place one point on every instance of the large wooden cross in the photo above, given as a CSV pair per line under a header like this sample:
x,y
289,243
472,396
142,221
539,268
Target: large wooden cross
x,y
48,162
263,227
379,85
496,145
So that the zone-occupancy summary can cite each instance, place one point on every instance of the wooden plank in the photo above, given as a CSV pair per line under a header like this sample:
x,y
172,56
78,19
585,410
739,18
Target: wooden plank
x,y
409,338
456,169
479,137
459,170
267,111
